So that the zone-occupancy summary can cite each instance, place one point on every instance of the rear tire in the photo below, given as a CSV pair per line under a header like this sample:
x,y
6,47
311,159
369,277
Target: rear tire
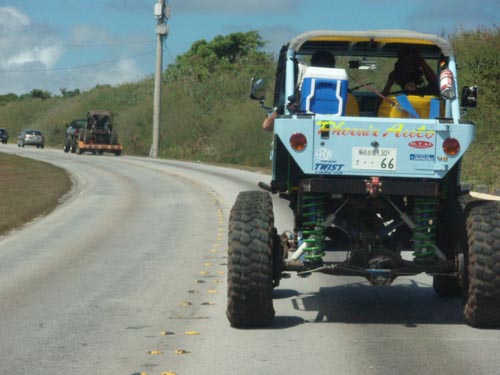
x,y
252,239
482,298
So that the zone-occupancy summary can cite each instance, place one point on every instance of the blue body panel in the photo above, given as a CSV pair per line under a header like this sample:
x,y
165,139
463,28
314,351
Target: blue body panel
x,y
361,146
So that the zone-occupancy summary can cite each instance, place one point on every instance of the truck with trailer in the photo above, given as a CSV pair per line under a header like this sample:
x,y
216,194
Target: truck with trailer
x,y
372,177
99,135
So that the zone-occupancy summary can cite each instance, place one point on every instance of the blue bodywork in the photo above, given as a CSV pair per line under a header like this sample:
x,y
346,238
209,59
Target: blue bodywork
x,y
334,145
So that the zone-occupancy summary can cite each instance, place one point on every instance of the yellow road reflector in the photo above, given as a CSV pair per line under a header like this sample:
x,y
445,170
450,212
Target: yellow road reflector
x,y
208,264
155,352
212,291
221,272
186,303
204,272
167,333
168,373
181,351
191,333
208,303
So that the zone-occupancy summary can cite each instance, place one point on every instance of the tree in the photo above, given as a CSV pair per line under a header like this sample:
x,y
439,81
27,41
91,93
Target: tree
x,y
205,59
65,93
37,94
10,97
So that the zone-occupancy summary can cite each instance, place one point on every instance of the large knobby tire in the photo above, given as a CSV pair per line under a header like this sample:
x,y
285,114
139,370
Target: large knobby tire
x,y
114,137
73,145
67,144
252,238
482,299
452,241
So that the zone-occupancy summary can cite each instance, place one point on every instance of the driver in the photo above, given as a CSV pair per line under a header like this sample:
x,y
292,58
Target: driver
x,y
409,72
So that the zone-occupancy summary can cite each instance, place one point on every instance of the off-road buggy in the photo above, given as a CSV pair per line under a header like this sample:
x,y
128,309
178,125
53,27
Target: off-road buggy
x,y
375,177
72,133
99,135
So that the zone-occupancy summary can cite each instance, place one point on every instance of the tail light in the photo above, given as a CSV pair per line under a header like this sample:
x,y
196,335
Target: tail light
x,y
298,142
451,146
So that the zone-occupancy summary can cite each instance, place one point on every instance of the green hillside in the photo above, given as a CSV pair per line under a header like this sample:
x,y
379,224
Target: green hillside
x,y
207,116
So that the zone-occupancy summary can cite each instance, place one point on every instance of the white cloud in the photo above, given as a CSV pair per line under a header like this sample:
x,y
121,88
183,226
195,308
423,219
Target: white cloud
x,y
12,20
451,14
117,73
32,56
90,34
239,7
47,56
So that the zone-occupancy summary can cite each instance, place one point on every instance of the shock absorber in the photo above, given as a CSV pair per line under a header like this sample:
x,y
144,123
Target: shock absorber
x,y
424,234
313,209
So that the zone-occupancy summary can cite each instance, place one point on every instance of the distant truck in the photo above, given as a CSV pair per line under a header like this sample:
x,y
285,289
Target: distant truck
x,y
99,135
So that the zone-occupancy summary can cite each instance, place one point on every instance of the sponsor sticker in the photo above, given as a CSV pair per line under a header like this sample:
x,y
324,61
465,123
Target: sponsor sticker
x,y
421,144
328,168
324,154
421,157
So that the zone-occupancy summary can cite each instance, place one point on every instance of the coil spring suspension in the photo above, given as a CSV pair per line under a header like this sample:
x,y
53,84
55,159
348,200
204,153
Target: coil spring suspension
x,y
313,229
424,234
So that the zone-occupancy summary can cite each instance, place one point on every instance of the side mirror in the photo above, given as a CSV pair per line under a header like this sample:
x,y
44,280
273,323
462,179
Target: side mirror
x,y
258,89
469,97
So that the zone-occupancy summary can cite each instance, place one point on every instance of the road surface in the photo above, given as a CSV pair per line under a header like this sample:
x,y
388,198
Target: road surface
x,y
128,276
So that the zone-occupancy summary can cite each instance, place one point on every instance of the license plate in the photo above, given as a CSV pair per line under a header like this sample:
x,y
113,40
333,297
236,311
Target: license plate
x,y
375,159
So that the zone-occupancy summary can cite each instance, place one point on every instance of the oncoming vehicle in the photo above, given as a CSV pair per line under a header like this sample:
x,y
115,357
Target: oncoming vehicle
x,y
29,137
4,136
371,177
99,134
72,132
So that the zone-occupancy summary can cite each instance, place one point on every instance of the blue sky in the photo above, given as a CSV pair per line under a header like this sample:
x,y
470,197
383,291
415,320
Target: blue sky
x,y
77,44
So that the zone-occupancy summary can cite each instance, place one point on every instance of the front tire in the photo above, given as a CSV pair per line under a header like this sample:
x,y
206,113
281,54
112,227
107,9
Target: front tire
x,y
252,239
482,298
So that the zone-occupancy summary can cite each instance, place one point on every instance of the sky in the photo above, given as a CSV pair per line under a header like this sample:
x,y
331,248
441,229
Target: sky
x,y
78,44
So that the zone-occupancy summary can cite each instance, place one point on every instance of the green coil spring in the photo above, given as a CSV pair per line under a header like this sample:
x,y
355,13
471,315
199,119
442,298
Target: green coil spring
x,y
313,229
424,234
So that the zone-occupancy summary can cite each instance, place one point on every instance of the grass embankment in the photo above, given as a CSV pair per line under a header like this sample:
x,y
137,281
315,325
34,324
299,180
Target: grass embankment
x,y
28,189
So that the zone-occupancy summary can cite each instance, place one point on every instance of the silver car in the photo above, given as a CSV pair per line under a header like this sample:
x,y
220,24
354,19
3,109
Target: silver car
x,y
30,137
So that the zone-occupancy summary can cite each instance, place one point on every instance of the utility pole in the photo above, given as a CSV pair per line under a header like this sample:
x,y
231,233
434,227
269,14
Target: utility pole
x,y
161,13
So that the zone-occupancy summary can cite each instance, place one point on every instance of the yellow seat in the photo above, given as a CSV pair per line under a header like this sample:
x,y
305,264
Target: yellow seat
x,y
421,104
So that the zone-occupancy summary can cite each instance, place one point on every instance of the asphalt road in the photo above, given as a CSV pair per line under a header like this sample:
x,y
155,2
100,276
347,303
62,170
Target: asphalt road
x,y
128,276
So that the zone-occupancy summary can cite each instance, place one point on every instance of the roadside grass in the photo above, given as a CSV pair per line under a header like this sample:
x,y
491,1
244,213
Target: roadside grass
x,y
28,189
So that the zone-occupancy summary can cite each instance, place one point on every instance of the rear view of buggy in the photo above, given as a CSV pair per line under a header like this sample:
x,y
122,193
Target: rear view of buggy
x,y
99,135
376,176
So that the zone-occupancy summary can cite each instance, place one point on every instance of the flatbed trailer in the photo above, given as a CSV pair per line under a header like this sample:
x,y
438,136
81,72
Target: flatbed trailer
x,y
82,147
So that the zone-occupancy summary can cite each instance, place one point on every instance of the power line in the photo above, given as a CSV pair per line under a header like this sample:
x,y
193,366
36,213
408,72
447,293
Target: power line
x,y
75,67
116,43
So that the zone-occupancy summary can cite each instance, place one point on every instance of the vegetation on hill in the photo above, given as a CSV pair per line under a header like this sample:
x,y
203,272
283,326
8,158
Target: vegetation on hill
x,y
206,114
478,58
